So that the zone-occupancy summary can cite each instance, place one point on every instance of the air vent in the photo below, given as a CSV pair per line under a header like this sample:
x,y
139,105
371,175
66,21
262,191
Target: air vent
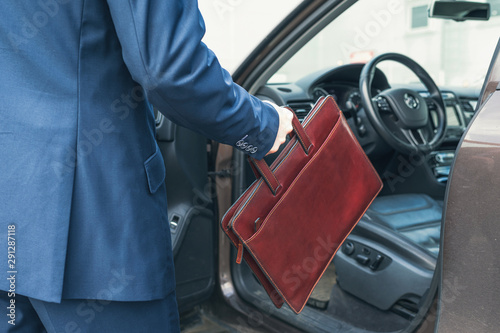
x,y
448,96
301,109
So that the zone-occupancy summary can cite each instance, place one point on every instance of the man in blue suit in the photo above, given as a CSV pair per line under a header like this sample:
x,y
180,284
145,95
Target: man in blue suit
x,y
83,217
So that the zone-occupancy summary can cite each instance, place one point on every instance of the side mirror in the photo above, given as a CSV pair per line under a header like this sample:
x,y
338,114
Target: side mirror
x,y
460,10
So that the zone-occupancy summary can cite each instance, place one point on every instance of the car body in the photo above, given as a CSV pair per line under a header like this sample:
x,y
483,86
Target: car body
x,y
432,232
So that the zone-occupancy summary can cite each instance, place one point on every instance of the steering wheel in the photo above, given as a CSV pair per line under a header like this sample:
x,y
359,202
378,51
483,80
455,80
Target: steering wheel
x,y
401,116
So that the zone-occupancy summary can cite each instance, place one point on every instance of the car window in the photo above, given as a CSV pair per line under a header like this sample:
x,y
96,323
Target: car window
x,y
454,53
236,27
493,77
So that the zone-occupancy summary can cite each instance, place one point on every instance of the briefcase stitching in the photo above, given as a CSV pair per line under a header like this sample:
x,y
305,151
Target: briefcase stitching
x,y
237,204
238,209
242,206
263,225
343,240
245,203
230,226
275,168
267,180
256,258
307,120
302,143
324,269
338,248
274,283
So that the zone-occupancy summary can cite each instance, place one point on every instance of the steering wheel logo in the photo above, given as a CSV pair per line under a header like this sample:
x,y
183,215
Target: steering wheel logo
x,y
411,101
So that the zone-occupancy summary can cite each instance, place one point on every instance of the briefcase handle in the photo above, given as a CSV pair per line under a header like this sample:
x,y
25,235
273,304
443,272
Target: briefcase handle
x,y
262,169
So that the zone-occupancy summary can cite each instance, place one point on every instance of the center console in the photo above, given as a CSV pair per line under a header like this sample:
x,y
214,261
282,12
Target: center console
x,y
440,163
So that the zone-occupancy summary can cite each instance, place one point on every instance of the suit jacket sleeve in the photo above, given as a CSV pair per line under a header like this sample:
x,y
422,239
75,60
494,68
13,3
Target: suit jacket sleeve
x,y
162,48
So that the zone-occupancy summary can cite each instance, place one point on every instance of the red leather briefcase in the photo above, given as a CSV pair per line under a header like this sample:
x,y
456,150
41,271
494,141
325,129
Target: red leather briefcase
x,y
290,222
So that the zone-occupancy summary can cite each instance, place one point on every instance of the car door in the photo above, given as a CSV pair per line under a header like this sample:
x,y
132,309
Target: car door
x,y
190,210
469,298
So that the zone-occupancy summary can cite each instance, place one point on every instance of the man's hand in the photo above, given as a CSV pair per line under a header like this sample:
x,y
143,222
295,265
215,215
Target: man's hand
x,y
285,127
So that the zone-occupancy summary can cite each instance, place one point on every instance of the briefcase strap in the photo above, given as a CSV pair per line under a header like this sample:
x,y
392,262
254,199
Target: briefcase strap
x,y
262,169
301,134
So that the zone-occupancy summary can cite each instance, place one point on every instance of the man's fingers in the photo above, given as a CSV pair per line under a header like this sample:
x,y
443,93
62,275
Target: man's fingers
x,y
285,127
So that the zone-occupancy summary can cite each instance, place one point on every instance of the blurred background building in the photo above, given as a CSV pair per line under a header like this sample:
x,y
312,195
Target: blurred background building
x,y
454,53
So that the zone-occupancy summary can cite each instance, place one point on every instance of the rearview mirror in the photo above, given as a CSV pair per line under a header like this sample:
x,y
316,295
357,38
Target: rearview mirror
x,y
460,10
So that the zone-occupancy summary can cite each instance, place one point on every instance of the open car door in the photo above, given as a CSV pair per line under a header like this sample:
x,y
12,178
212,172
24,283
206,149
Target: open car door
x,y
469,298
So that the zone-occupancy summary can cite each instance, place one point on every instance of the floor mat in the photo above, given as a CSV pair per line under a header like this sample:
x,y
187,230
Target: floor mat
x,y
350,309
323,290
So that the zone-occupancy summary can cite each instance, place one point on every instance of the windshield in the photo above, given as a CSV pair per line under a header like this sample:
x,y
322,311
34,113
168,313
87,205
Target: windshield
x,y
454,53
234,28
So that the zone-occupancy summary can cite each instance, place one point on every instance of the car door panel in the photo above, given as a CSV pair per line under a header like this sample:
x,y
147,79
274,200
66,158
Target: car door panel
x,y
191,218
469,294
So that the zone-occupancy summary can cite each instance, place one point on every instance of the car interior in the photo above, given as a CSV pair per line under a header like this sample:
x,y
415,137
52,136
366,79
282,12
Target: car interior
x,y
408,114
385,267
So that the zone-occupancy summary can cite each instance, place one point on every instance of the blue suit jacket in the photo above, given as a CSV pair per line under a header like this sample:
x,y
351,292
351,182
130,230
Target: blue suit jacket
x,y
81,176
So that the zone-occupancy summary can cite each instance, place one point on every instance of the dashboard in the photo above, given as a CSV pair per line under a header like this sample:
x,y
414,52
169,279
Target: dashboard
x,y
342,83
346,95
